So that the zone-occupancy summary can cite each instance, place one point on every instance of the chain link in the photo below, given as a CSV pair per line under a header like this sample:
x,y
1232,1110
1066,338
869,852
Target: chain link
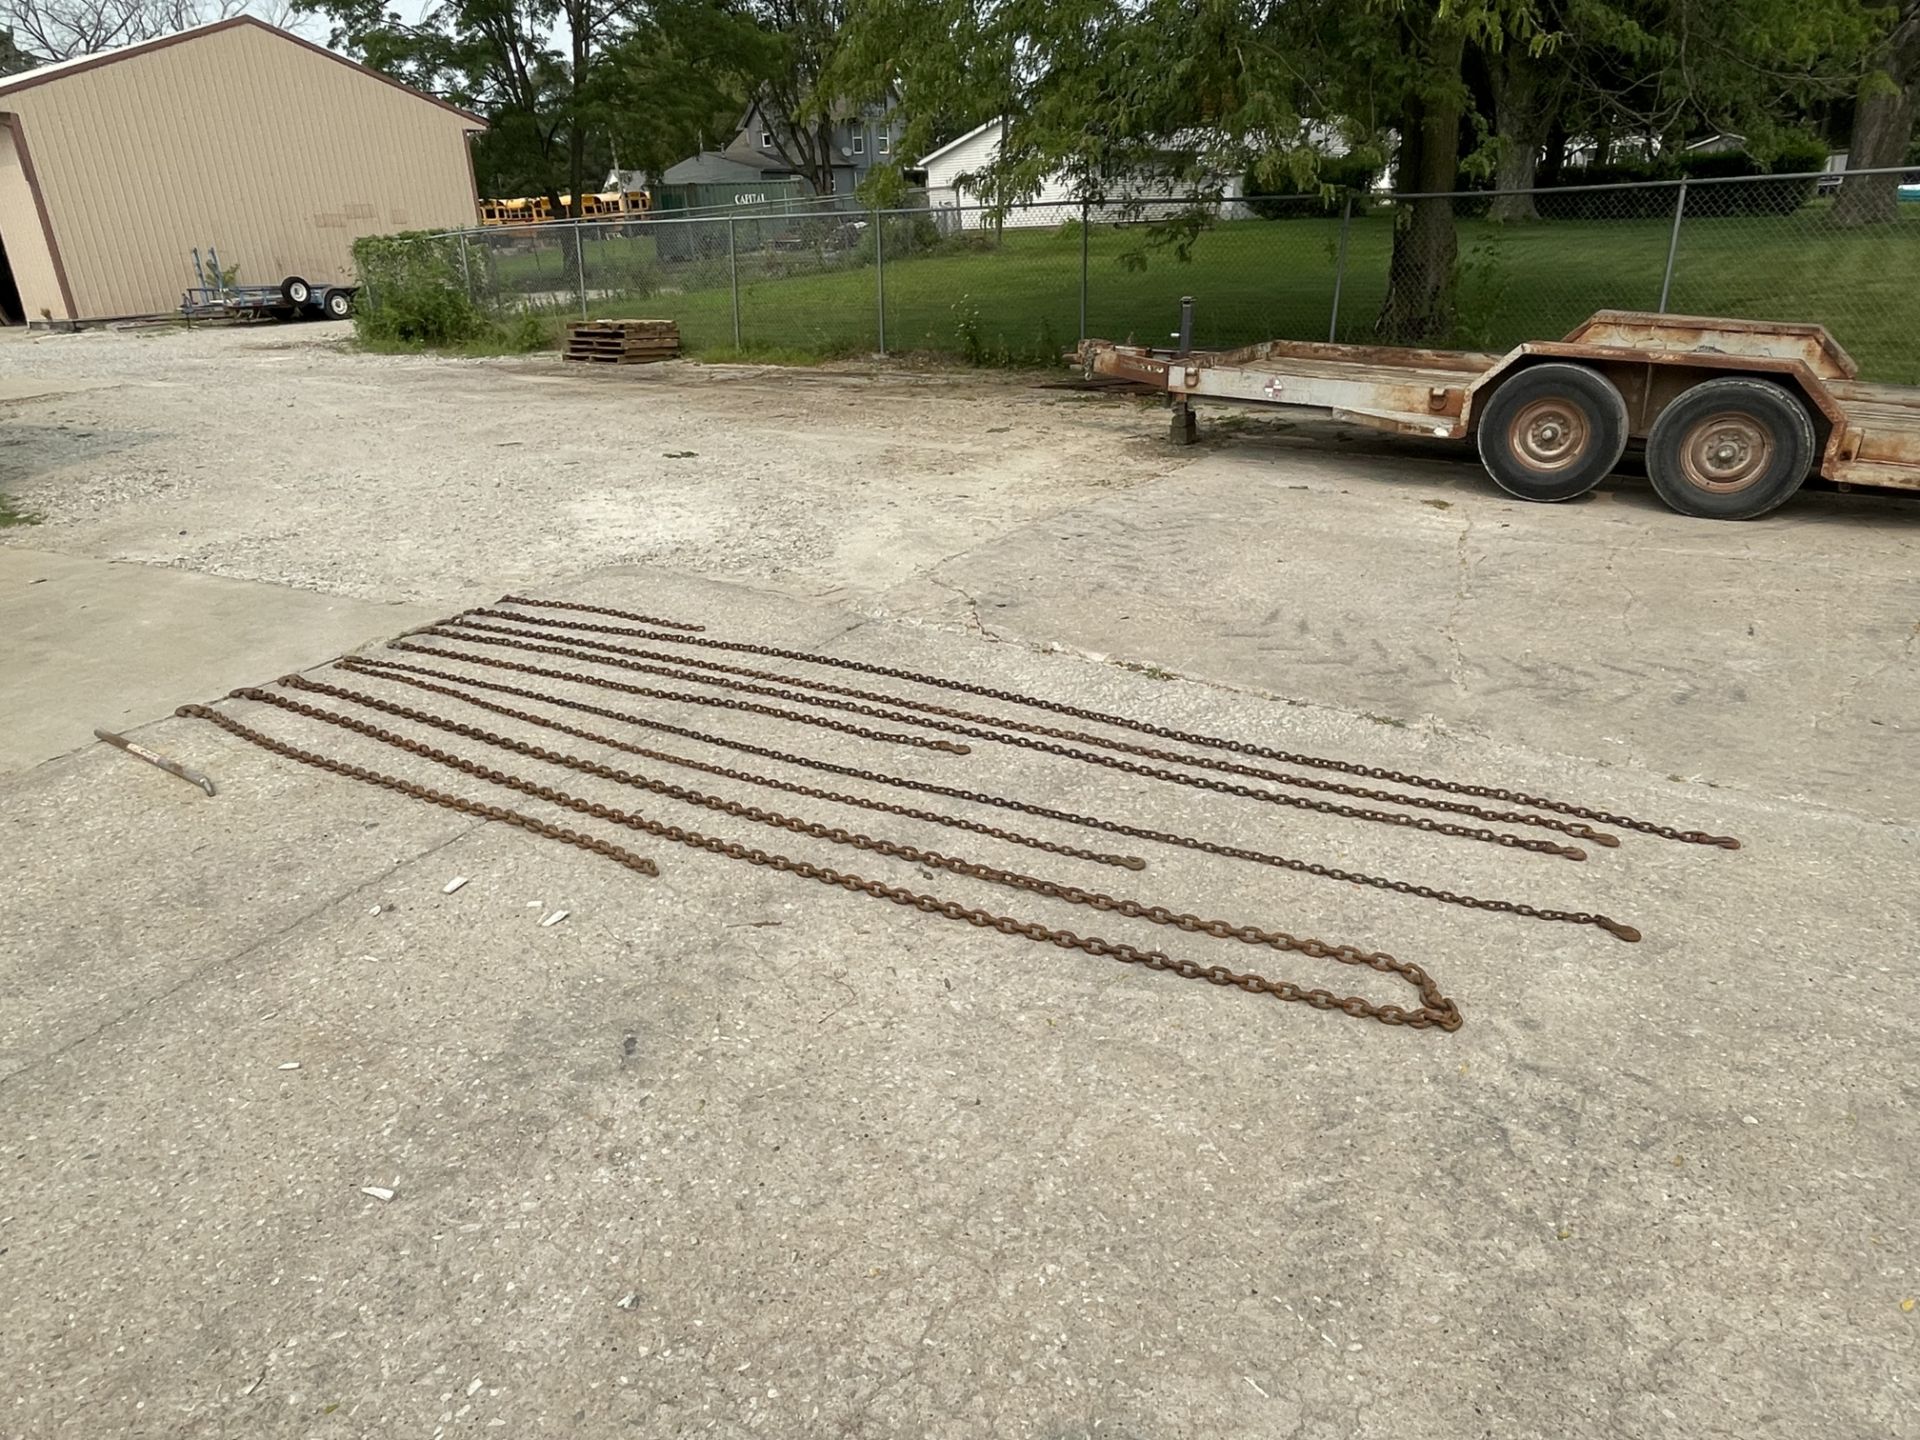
x,y
1435,1010
1012,837
1078,737
405,674
640,864
1238,747
1091,757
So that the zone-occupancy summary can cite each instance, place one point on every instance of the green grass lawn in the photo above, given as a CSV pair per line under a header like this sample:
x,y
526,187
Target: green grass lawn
x,y
1019,302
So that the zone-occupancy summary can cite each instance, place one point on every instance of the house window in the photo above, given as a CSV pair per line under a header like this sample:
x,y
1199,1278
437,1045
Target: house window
x,y
884,142
859,144
766,139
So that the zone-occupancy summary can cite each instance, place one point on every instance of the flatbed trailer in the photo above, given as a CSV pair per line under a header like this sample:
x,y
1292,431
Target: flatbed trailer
x,y
1736,414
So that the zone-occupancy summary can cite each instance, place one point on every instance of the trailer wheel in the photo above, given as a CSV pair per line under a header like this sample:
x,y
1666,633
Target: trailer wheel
x,y
1731,449
338,304
295,291
1553,432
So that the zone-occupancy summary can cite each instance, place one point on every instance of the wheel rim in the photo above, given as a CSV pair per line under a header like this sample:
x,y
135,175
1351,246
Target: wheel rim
x,y
1726,452
1549,435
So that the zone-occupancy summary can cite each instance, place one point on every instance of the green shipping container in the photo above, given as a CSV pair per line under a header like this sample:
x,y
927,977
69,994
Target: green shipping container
x,y
759,206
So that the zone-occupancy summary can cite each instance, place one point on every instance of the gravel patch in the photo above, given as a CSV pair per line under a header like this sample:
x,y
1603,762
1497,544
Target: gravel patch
x,y
281,454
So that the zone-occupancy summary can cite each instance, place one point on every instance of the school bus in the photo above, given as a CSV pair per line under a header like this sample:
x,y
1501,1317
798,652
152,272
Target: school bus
x,y
536,209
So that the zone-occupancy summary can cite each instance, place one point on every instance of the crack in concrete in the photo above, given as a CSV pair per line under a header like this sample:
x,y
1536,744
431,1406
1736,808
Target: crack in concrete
x,y
1463,592
974,624
232,957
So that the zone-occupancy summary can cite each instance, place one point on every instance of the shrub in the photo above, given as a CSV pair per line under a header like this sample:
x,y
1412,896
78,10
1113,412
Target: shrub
x,y
909,234
1350,176
414,292
1758,196
1761,197
1643,203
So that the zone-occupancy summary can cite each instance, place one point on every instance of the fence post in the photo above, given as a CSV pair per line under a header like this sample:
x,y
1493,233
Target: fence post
x,y
580,262
880,276
466,275
1084,217
1673,246
1340,271
733,280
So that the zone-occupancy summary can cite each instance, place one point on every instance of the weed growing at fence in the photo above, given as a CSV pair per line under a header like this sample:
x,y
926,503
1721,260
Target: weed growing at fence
x,y
415,295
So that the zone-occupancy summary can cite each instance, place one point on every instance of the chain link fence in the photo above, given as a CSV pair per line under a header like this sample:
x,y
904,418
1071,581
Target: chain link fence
x,y
1020,284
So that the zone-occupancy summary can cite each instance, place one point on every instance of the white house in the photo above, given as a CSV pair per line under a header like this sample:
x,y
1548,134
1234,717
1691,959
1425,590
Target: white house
x,y
949,168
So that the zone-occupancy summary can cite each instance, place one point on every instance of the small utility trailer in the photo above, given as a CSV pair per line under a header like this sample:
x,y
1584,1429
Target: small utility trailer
x,y
294,298
1735,414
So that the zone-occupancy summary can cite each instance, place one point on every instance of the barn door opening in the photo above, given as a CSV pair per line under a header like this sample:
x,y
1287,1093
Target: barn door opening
x,y
11,312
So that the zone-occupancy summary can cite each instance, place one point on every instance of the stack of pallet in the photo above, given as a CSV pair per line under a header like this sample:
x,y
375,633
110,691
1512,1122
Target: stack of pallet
x,y
623,342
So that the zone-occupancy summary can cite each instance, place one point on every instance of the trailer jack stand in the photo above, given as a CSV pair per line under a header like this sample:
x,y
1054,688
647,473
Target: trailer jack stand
x,y
1185,428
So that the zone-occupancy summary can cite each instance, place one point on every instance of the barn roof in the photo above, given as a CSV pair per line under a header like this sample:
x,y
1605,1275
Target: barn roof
x,y
60,70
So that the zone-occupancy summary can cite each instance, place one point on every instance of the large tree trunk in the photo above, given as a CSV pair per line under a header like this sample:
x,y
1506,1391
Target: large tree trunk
x,y
1419,303
1520,122
823,162
1883,126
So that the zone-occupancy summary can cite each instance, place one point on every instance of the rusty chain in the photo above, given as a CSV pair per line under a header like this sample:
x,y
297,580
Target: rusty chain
x,y
1435,1010
1238,747
931,817
592,843
424,678
1091,757
1301,782
918,742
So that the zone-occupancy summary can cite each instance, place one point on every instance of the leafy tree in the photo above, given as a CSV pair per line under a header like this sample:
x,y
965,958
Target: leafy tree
x,y
534,68
1111,93
678,78
795,80
1883,121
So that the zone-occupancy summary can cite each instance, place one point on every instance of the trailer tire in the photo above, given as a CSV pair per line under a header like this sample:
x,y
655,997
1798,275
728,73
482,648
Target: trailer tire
x,y
295,291
1731,449
1553,432
338,304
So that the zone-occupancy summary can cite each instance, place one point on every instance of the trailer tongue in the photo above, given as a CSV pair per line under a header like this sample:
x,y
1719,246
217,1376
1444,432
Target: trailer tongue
x,y
1735,413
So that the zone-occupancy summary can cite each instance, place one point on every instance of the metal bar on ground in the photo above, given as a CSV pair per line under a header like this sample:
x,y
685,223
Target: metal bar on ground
x,y
140,752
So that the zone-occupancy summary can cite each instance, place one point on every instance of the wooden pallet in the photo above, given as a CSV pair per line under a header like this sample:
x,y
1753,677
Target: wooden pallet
x,y
622,342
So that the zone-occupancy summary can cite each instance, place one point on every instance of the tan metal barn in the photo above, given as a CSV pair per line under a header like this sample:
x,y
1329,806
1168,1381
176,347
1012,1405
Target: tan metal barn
x,y
236,135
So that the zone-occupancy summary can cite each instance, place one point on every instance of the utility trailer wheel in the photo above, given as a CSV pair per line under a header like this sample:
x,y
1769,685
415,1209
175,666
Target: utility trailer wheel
x,y
338,304
295,291
1553,432
1731,449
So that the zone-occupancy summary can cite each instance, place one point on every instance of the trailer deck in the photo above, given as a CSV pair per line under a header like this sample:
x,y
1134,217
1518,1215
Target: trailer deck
x,y
1737,413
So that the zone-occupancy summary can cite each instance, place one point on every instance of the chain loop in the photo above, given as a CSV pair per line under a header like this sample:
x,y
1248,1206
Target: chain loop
x,y
1237,747
1435,1009
1091,757
459,687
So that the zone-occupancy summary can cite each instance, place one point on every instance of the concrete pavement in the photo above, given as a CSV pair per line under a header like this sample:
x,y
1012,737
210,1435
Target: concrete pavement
x,y
729,1152
98,643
